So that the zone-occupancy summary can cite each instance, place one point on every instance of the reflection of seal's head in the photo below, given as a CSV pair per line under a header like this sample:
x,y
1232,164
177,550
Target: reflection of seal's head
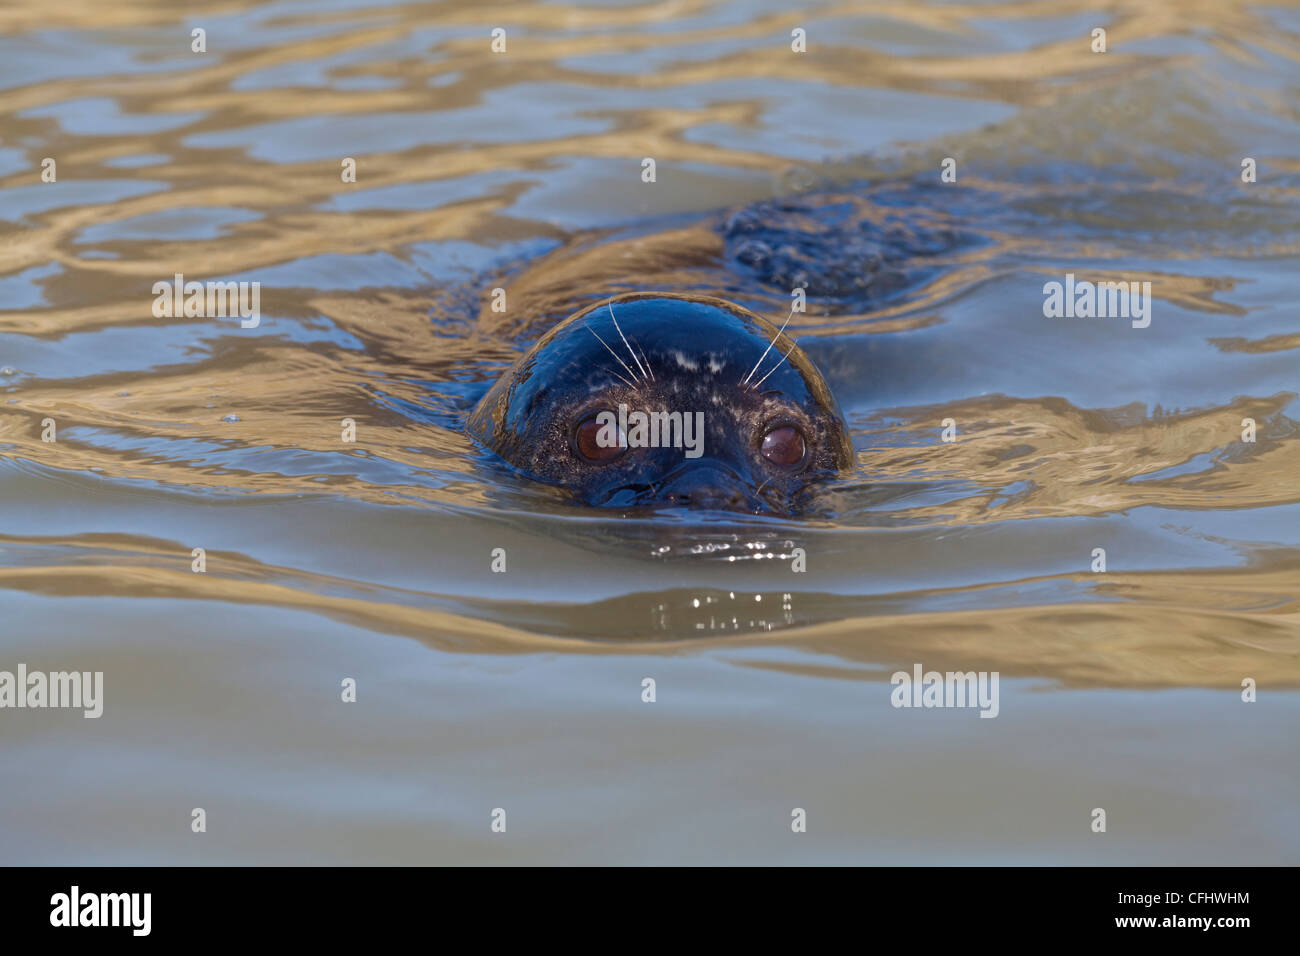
x,y
657,398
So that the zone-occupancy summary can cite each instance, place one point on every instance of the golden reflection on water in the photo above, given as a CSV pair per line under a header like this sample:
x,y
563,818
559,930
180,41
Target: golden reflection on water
x,y
163,422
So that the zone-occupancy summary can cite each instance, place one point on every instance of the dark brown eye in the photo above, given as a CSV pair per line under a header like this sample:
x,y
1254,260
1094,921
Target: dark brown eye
x,y
588,438
784,446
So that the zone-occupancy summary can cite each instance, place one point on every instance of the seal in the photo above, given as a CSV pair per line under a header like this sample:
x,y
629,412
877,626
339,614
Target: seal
x,y
655,398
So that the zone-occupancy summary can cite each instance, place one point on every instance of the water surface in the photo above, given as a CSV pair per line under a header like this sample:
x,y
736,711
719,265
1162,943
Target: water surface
x,y
523,690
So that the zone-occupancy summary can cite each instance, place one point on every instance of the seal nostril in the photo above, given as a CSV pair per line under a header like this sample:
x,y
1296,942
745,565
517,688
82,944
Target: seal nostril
x,y
705,485
708,497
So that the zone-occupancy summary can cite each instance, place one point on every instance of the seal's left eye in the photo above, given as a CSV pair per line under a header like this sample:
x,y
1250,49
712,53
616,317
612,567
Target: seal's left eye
x,y
784,446
593,445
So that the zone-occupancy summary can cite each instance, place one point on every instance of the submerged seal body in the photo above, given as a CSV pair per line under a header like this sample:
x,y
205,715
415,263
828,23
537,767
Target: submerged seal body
x,y
675,397
663,398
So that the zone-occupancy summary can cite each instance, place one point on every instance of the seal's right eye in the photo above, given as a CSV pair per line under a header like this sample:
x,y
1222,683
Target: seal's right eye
x,y
595,446
784,446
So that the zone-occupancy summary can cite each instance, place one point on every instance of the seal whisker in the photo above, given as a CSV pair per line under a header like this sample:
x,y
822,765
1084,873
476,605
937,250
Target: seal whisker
x,y
774,368
647,362
621,378
610,303
611,351
745,380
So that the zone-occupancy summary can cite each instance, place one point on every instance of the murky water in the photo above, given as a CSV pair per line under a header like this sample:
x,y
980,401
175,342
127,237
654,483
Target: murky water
x,y
522,690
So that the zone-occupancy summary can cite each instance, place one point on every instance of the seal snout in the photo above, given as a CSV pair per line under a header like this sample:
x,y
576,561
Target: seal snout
x,y
707,485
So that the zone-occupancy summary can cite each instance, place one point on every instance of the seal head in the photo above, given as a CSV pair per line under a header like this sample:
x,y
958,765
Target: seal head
x,y
652,398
